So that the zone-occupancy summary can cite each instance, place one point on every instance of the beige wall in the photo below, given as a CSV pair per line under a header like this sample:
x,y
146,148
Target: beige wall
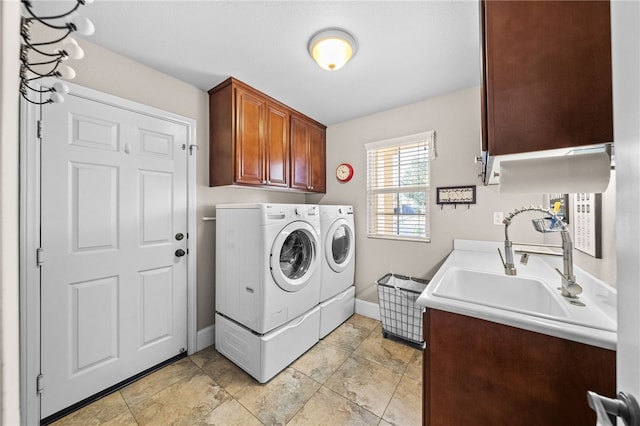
x,y
456,120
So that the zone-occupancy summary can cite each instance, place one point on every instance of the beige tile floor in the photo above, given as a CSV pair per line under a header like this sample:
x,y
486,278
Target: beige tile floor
x,y
352,377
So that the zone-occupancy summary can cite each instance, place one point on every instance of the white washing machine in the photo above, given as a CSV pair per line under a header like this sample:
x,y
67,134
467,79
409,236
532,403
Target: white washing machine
x,y
337,291
267,263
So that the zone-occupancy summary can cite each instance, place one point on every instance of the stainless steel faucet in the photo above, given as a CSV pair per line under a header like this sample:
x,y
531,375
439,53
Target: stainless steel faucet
x,y
569,287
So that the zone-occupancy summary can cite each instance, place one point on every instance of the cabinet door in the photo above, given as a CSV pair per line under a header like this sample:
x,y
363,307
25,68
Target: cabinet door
x,y
317,147
547,75
249,140
299,153
506,375
277,145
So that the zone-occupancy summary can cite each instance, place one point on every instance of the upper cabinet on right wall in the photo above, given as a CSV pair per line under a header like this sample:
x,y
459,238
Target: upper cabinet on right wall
x,y
546,75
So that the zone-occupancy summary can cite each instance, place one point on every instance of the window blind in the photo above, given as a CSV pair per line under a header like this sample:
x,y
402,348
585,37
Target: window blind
x,y
398,188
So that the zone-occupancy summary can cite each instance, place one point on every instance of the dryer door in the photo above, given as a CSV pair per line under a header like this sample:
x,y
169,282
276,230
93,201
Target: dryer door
x,y
340,245
294,256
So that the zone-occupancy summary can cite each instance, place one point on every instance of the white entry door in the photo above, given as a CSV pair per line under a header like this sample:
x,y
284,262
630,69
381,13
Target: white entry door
x,y
114,282
625,36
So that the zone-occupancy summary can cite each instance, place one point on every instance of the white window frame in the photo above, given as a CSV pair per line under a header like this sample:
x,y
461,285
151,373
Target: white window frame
x,y
373,189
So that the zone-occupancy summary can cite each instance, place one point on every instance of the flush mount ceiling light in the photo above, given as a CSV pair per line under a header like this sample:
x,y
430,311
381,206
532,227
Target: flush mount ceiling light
x,y
332,48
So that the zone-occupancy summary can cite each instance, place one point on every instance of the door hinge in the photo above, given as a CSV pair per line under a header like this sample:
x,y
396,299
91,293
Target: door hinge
x,y
40,383
39,256
39,131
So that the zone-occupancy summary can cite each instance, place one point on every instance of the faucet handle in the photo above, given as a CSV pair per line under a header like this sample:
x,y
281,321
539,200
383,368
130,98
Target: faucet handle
x,y
504,264
572,288
509,268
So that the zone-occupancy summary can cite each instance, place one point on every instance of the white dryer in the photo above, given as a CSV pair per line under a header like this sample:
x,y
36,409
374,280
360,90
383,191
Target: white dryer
x,y
338,238
337,291
267,263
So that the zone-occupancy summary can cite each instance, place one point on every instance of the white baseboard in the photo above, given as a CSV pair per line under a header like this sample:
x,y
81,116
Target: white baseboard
x,y
205,337
368,309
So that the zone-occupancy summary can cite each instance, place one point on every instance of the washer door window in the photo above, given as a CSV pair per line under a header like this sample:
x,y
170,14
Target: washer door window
x,y
340,244
293,257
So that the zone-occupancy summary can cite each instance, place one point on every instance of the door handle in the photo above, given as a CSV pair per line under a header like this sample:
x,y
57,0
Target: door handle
x,y
607,409
180,253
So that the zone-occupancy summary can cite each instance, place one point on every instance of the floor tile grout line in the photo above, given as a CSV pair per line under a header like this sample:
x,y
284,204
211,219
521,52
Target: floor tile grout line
x,y
159,390
347,399
391,399
129,408
233,397
310,398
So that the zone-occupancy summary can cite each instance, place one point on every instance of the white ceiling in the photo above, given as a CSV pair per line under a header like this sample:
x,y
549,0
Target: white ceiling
x,y
407,50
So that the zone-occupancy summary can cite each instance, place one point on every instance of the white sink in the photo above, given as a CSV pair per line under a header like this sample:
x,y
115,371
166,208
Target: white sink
x,y
512,293
472,282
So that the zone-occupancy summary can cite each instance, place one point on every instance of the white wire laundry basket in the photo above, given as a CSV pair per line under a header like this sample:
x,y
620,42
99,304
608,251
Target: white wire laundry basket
x,y
401,316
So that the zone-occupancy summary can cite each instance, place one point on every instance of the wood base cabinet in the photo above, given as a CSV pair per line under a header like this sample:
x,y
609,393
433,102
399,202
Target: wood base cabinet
x,y
252,143
477,372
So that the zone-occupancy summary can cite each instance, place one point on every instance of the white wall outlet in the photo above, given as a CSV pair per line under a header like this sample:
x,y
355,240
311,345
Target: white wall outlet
x,y
498,217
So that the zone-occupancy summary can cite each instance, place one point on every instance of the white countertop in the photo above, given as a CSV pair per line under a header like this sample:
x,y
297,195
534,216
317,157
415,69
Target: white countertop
x,y
593,324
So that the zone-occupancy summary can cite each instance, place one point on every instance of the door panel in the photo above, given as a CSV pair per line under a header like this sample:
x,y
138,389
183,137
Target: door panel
x,y
114,294
156,195
94,196
277,146
317,154
94,319
156,292
92,132
249,140
299,154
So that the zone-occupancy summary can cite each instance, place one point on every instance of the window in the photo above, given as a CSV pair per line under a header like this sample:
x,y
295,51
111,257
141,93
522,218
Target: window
x,y
398,188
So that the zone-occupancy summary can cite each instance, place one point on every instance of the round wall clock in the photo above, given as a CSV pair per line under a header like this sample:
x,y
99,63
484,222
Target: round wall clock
x,y
344,172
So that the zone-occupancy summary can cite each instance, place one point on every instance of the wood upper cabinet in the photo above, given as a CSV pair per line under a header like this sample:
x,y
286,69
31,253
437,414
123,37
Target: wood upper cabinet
x,y
546,75
308,164
252,141
249,137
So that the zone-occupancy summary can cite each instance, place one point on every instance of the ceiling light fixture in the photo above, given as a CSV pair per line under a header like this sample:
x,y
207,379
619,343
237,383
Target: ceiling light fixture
x,y
332,48
39,63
